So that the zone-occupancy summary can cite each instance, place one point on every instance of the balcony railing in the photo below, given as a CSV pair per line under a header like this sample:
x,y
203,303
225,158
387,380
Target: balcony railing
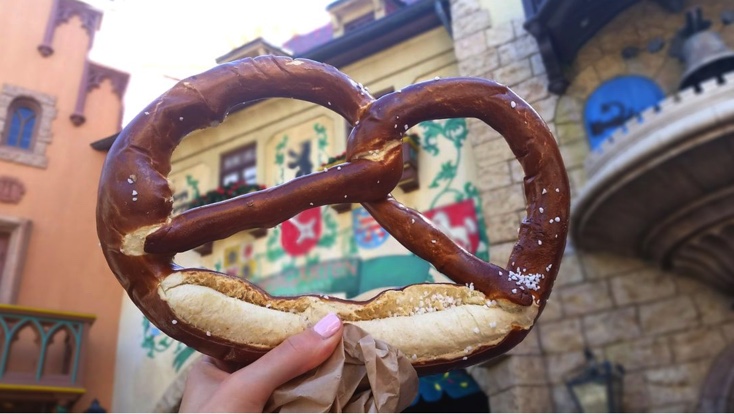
x,y
662,187
42,351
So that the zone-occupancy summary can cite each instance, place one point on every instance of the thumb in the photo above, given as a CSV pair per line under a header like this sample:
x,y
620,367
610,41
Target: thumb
x,y
295,356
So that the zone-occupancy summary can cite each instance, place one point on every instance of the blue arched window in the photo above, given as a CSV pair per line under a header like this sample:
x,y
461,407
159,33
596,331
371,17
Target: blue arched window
x,y
20,124
614,102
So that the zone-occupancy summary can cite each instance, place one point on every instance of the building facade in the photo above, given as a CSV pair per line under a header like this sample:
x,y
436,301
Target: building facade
x,y
333,250
608,78
644,126
59,305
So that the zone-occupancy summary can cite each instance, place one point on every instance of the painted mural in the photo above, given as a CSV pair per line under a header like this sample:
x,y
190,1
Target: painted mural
x,y
187,184
148,361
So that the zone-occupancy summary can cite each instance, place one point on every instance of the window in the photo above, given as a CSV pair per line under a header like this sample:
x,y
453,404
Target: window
x,y
20,127
239,165
615,102
25,125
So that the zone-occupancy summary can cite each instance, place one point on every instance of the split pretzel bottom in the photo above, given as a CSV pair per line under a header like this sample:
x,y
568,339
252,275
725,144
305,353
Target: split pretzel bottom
x,y
429,323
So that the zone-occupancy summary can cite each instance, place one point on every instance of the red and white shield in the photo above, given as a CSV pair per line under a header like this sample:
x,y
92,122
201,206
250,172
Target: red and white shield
x,y
301,233
458,221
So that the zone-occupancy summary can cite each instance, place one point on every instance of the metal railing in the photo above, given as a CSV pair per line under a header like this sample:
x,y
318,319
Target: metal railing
x,y
43,361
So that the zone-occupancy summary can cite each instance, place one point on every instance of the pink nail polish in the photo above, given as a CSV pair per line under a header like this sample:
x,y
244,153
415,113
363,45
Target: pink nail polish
x,y
327,326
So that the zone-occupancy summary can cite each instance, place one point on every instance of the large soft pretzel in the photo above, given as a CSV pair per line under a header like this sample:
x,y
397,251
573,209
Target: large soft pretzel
x,y
439,326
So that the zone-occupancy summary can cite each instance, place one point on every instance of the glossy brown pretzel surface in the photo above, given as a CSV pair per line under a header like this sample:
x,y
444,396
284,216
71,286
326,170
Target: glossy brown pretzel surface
x,y
139,236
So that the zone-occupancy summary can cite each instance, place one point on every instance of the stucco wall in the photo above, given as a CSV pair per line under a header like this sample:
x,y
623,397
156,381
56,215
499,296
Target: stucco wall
x,y
664,329
64,268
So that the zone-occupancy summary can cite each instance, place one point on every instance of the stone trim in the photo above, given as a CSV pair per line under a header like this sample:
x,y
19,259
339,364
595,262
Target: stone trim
x,y
20,232
92,77
36,157
43,134
61,12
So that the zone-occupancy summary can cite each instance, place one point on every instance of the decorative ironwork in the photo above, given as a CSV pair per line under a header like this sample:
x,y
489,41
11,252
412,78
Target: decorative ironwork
x,y
615,102
621,114
45,324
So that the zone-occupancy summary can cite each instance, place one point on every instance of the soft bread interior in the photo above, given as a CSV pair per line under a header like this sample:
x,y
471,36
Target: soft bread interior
x,y
425,322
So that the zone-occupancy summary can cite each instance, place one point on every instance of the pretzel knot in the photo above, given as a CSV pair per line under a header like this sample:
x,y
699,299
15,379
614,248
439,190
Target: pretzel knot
x,y
489,310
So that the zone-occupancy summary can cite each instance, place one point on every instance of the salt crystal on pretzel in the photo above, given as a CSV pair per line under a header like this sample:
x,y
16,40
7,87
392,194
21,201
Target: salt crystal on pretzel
x,y
439,325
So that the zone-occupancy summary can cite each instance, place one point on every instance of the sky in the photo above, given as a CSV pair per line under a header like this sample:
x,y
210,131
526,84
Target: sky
x,y
161,41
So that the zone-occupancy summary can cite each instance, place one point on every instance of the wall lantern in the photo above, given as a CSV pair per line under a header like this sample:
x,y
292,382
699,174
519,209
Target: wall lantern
x,y
598,387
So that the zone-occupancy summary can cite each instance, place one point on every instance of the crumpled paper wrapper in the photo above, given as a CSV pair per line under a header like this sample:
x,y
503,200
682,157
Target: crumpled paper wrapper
x,y
363,375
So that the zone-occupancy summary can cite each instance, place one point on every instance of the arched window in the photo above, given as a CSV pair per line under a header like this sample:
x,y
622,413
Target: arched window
x,y
25,125
20,124
616,101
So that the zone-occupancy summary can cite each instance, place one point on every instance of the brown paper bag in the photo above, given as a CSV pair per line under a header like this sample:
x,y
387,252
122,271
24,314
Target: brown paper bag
x,y
363,375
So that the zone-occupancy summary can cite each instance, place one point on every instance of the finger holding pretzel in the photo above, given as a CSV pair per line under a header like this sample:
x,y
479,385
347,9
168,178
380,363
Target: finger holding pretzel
x,y
488,311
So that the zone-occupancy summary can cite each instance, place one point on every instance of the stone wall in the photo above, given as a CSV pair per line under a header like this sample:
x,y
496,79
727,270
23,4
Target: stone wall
x,y
664,329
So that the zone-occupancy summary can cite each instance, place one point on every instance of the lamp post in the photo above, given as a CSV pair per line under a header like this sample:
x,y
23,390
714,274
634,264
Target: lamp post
x,y
598,387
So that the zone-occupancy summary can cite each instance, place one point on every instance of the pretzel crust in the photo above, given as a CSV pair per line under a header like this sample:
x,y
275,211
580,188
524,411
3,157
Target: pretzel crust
x,y
439,326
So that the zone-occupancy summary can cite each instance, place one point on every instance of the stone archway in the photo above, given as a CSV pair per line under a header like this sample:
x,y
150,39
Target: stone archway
x,y
717,391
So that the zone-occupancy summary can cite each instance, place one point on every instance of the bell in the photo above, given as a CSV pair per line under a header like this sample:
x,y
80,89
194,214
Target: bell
x,y
706,56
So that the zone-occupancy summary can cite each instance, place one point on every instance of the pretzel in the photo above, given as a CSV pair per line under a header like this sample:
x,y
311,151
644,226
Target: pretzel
x,y
488,311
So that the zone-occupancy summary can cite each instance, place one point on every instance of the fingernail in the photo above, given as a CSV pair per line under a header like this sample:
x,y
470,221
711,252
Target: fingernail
x,y
328,326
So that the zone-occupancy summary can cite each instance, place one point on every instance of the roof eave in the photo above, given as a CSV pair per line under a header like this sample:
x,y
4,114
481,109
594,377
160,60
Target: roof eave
x,y
379,35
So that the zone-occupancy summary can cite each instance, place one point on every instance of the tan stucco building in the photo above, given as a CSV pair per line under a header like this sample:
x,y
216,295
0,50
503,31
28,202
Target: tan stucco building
x,y
59,303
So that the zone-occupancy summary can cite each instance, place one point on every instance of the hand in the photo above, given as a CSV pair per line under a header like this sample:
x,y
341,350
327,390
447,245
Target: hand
x,y
211,387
